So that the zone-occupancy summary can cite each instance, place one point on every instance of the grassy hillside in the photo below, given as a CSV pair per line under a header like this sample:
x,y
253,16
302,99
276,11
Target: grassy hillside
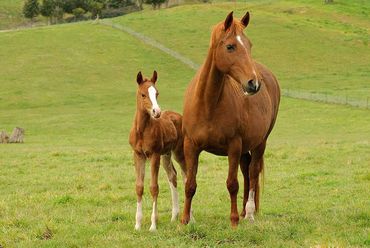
x,y
72,87
309,47
11,13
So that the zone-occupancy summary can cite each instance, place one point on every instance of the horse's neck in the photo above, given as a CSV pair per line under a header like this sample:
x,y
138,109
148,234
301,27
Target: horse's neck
x,y
142,120
210,85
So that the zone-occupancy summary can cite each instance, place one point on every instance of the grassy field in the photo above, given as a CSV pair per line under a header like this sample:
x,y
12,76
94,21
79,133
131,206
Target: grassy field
x,y
323,50
74,174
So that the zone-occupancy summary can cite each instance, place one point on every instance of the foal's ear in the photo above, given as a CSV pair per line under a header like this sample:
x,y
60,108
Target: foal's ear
x,y
245,20
139,78
228,20
154,77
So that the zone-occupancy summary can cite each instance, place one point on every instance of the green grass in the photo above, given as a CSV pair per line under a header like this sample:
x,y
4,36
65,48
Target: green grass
x,y
309,47
11,13
72,87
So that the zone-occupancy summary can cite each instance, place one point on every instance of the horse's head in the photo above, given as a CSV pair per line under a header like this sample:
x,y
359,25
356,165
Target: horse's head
x,y
147,94
232,52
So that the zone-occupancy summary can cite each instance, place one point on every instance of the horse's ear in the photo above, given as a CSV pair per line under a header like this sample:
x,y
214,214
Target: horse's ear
x,y
154,77
139,78
245,20
228,21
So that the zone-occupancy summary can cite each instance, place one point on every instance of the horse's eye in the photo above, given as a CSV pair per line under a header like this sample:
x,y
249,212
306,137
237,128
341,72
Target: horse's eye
x,y
142,95
230,48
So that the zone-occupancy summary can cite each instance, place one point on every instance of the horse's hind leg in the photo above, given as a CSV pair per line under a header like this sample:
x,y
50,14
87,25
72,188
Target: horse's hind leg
x,y
244,167
234,153
180,159
172,180
255,169
140,173
154,189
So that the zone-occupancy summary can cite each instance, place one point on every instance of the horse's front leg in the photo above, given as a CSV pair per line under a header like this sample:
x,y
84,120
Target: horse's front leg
x,y
154,188
140,173
191,153
234,153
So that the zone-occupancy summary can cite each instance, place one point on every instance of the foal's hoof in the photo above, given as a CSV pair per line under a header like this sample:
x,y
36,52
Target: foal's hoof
x,y
137,227
153,228
185,219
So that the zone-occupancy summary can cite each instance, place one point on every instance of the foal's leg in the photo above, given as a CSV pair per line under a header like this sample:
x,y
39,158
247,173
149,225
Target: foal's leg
x,y
255,169
245,160
172,180
154,189
140,173
191,158
232,179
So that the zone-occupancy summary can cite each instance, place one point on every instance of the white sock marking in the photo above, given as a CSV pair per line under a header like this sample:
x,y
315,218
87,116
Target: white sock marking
x,y
139,215
250,206
175,202
154,217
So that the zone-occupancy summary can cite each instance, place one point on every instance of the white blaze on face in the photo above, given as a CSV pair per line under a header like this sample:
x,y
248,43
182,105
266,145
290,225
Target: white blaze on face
x,y
153,98
239,39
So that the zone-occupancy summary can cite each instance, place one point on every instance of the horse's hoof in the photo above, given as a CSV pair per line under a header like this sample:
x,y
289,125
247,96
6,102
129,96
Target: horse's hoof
x,y
137,227
242,214
153,228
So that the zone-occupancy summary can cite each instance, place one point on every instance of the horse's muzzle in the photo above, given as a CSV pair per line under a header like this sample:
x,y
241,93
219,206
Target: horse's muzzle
x,y
252,87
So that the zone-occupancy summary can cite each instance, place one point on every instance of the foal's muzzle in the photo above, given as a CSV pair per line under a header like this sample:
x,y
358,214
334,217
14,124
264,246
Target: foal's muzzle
x,y
156,112
252,87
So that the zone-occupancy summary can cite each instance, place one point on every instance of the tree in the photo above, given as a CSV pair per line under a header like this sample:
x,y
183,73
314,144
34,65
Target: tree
x,y
31,9
47,9
95,8
78,13
155,3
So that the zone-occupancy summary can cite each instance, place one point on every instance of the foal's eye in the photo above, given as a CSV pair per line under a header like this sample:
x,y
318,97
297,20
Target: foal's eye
x,y
142,95
230,48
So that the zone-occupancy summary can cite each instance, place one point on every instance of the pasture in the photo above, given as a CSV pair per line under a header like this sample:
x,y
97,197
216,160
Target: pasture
x,y
72,87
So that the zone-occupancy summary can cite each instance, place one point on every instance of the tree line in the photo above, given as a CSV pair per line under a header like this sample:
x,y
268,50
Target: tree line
x,y
55,10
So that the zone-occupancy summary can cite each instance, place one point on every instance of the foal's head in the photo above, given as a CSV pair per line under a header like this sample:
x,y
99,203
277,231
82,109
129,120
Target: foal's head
x,y
232,52
146,95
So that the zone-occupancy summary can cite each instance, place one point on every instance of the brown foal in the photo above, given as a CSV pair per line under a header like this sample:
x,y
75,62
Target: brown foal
x,y
155,135
230,109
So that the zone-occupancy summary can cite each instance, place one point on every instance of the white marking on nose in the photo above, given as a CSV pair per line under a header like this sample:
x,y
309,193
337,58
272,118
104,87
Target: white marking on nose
x,y
153,98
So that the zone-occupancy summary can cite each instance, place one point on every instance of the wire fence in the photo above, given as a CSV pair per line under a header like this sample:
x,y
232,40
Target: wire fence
x,y
326,98
298,94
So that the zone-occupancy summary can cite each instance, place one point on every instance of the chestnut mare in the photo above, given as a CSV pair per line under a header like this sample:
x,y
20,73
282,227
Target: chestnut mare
x,y
152,136
230,109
